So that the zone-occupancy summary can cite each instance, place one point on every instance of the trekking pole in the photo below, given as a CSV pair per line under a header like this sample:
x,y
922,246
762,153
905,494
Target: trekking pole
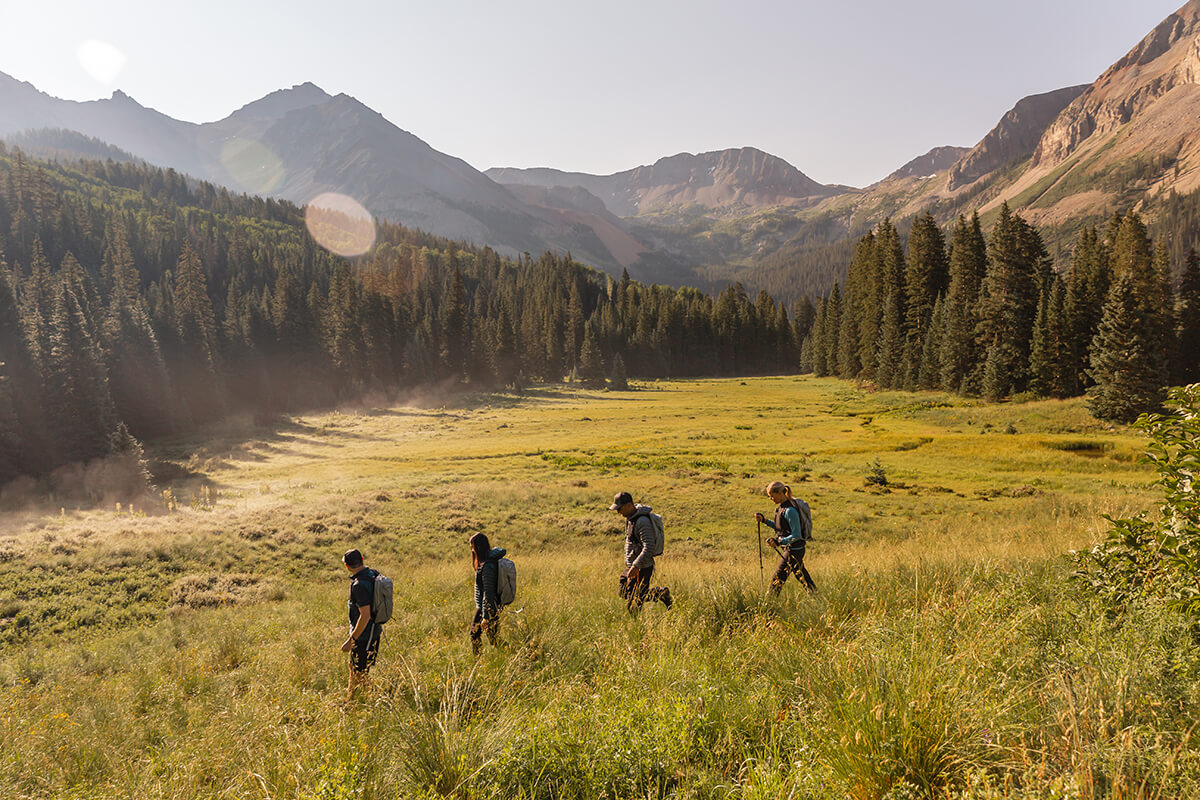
x,y
760,561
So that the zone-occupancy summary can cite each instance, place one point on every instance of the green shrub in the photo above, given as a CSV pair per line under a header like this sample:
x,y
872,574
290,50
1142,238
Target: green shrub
x,y
1157,559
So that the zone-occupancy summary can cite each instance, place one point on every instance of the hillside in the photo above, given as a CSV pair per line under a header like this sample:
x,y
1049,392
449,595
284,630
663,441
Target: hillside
x,y
1062,159
727,182
297,143
1082,153
135,304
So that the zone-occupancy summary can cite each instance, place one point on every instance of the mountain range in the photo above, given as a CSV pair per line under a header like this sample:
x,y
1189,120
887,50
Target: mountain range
x,y
1062,158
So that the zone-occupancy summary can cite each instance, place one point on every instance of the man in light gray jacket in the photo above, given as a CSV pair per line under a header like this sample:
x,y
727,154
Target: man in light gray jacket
x,y
639,555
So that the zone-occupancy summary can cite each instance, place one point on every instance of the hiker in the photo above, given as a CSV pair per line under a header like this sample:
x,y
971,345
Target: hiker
x,y
363,642
641,536
793,528
486,561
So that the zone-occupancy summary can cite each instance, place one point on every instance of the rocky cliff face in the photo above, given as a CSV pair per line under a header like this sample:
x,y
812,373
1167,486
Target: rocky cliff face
x,y
1014,137
931,163
1167,58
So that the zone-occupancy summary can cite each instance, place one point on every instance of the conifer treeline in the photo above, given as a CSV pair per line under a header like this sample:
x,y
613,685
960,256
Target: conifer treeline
x,y
136,304
992,317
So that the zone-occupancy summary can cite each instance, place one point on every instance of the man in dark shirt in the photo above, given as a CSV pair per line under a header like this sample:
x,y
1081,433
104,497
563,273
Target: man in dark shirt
x,y
363,642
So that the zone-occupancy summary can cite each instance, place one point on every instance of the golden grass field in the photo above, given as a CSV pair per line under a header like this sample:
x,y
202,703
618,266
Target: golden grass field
x,y
187,646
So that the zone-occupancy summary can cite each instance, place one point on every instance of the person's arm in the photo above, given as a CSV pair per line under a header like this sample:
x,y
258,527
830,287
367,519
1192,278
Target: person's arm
x,y
645,533
491,588
765,521
364,617
793,520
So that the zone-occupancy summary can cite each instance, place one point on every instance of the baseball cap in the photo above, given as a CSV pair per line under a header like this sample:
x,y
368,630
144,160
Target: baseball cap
x,y
621,499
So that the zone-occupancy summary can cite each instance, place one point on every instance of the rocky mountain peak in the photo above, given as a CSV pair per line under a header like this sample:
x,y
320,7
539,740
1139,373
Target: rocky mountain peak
x,y
1168,57
1015,136
280,102
936,160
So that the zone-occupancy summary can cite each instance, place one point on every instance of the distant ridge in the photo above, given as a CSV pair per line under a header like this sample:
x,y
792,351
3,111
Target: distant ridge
x,y
722,181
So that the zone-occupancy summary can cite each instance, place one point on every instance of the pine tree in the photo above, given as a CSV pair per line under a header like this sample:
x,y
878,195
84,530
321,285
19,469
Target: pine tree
x,y
861,279
574,329
342,329
137,372
1051,362
591,362
1019,267
195,367
816,351
1087,287
1126,367
803,314
79,407
829,331
11,444
960,352
886,279
455,340
889,361
1163,303
929,375
806,356
618,382
926,278
1188,316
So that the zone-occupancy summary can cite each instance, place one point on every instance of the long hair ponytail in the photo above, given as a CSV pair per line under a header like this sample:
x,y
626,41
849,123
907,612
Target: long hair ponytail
x,y
480,548
780,486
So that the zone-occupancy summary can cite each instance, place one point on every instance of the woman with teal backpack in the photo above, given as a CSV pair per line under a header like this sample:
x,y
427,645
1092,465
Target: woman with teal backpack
x,y
793,529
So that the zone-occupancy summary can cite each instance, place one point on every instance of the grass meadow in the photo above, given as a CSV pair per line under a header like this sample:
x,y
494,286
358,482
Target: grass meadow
x,y
187,647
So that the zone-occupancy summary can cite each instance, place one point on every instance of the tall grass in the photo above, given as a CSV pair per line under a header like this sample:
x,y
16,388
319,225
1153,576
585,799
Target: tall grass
x,y
195,654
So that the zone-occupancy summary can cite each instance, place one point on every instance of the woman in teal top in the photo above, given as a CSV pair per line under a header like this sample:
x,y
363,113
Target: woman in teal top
x,y
793,528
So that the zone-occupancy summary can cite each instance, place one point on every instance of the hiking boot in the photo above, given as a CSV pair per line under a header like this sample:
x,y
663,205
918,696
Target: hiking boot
x,y
666,597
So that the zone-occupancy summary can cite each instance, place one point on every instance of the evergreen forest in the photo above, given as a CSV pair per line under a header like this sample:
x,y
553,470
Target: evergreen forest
x,y
992,316
137,304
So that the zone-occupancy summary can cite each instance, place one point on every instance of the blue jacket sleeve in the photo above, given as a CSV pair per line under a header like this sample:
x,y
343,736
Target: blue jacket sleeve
x,y
793,520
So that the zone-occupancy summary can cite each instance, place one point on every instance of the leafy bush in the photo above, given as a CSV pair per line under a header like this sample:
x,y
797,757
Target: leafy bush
x,y
1157,559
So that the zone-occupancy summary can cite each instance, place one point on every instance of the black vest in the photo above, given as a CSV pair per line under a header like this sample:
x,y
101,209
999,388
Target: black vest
x,y
781,524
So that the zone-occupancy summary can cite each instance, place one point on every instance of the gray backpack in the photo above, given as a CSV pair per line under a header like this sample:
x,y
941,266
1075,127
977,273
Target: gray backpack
x,y
381,600
506,583
656,546
805,519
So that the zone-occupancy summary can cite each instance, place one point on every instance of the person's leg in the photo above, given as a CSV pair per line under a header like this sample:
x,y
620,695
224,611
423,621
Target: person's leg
x,y
660,594
780,576
492,624
374,632
637,589
362,657
796,556
808,581
476,630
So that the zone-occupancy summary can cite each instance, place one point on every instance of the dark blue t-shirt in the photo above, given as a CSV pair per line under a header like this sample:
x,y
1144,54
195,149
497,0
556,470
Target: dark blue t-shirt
x,y
362,592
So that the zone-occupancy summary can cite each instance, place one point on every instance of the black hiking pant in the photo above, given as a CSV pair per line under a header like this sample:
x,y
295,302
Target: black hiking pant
x,y
792,563
639,591
488,619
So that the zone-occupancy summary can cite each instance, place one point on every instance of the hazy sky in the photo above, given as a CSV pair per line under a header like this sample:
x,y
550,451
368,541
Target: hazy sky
x,y
846,91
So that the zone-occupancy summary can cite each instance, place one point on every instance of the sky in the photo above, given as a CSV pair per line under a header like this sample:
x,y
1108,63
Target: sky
x,y
845,91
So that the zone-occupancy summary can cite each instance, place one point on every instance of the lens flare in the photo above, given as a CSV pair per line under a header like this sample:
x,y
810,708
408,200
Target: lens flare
x,y
252,165
340,224
101,60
